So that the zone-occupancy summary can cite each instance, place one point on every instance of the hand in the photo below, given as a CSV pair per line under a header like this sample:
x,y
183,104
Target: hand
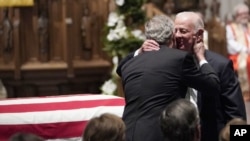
x,y
199,49
149,45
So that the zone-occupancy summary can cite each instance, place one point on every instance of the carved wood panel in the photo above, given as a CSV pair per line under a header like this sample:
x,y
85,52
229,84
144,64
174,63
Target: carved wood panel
x,y
6,36
49,38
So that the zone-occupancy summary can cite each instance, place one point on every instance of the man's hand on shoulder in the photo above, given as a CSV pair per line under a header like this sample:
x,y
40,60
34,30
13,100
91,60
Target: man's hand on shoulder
x,y
199,50
148,45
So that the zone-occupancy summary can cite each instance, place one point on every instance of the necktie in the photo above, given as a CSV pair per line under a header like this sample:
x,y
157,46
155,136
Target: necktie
x,y
192,96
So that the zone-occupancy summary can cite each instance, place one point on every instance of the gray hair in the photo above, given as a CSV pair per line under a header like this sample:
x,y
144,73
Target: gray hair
x,y
238,7
196,19
159,28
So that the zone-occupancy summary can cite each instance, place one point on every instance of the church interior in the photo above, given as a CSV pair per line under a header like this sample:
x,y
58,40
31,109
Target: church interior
x,y
55,47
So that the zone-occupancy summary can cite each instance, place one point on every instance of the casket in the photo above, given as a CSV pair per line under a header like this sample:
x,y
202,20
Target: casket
x,y
55,117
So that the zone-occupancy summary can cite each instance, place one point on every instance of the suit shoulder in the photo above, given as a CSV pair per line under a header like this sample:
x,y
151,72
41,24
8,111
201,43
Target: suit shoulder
x,y
175,51
210,55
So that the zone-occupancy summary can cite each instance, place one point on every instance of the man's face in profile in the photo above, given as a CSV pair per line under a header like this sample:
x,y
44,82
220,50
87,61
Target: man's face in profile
x,y
184,34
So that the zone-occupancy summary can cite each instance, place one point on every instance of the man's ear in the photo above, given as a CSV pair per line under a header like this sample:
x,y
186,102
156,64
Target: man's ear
x,y
199,35
200,32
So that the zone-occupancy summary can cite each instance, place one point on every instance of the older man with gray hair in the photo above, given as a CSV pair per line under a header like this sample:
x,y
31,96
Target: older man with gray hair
x,y
238,46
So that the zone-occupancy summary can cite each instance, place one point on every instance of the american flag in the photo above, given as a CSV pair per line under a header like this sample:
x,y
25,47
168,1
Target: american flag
x,y
55,117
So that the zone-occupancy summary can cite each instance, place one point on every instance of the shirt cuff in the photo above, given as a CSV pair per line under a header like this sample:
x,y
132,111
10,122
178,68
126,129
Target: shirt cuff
x,y
136,52
202,62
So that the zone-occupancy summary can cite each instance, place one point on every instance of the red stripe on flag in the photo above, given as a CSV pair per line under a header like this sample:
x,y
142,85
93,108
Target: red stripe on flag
x,y
53,96
47,131
36,107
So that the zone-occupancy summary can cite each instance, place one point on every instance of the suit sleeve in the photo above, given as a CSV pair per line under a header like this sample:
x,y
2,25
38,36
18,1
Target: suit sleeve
x,y
231,95
122,62
202,78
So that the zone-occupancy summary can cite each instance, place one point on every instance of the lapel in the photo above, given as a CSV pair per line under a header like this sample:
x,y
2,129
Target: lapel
x,y
199,95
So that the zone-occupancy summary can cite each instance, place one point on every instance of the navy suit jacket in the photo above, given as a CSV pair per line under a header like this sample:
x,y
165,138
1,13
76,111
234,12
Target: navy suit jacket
x,y
216,111
152,80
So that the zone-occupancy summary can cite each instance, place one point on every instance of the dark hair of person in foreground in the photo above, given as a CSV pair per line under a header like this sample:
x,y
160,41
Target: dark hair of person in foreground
x,y
25,137
180,121
107,127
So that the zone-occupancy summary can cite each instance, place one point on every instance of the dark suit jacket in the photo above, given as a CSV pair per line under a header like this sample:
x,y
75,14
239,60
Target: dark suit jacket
x,y
216,111
154,79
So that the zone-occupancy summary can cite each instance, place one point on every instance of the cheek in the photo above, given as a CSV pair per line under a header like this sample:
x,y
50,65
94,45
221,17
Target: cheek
x,y
191,38
188,40
189,43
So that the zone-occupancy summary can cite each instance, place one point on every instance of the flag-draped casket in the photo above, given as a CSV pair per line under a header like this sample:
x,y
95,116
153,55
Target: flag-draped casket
x,y
55,117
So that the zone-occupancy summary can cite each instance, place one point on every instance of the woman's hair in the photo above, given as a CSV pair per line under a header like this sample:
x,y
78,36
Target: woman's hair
x,y
107,127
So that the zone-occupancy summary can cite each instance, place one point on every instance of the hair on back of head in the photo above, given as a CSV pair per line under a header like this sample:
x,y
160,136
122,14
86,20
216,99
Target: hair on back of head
x,y
106,127
159,28
180,121
22,136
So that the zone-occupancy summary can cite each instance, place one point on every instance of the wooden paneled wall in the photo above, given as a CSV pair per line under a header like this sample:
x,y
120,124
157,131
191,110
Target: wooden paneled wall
x,y
53,47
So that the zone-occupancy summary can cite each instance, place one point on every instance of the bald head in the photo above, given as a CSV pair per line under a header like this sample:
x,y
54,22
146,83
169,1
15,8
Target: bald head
x,y
192,19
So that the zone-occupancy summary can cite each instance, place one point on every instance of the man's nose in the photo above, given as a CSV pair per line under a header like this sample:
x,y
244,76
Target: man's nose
x,y
177,34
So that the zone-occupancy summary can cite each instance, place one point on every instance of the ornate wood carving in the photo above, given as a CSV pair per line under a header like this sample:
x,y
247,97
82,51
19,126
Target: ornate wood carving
x,y
6,35
86,27
43,31
53,47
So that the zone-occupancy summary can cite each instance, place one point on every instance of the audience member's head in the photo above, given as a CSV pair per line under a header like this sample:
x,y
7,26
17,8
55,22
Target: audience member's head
x,y
107,127
25,137
180,121
160,28
225,132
